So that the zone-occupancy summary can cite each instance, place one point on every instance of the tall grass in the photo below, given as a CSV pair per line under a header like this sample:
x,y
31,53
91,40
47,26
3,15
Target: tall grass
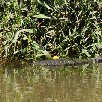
x,y
34,29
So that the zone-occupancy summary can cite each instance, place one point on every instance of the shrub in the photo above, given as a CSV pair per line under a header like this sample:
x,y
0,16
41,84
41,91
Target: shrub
x,y
36,29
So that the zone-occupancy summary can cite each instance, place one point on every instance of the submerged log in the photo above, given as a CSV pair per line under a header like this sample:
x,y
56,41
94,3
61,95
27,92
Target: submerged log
x,y
67,62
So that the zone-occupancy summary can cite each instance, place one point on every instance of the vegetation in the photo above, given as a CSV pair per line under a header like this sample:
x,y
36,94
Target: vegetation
x,y
39,29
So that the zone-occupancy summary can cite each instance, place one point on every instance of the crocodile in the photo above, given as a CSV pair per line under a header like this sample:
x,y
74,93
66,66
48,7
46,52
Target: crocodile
x,y
67,62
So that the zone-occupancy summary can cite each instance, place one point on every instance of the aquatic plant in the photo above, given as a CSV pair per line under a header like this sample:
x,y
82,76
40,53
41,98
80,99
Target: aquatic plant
x,y
39,29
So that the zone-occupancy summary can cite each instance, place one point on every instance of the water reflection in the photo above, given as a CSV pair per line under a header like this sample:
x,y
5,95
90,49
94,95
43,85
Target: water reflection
x,y
31,84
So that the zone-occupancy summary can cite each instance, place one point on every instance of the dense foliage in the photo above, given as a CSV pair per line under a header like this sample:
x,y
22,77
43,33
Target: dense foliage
x,y
36,29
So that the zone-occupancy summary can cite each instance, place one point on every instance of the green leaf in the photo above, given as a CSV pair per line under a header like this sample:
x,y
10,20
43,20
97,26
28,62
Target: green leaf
x,y
40,51
47,55
0,35
45,5
35,46
41,16
19,32
86,52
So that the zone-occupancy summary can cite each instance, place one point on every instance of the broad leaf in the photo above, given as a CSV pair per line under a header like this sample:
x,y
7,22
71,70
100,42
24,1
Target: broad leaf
x,y
41,16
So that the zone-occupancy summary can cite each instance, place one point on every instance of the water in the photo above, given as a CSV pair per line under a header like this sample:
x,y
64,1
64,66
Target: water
x,y
30,84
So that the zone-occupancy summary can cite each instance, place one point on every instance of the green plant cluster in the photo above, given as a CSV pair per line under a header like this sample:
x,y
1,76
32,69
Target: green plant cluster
x,y
36,29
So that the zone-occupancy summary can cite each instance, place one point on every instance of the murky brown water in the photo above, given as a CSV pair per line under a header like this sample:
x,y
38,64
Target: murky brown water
x,y
31,84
